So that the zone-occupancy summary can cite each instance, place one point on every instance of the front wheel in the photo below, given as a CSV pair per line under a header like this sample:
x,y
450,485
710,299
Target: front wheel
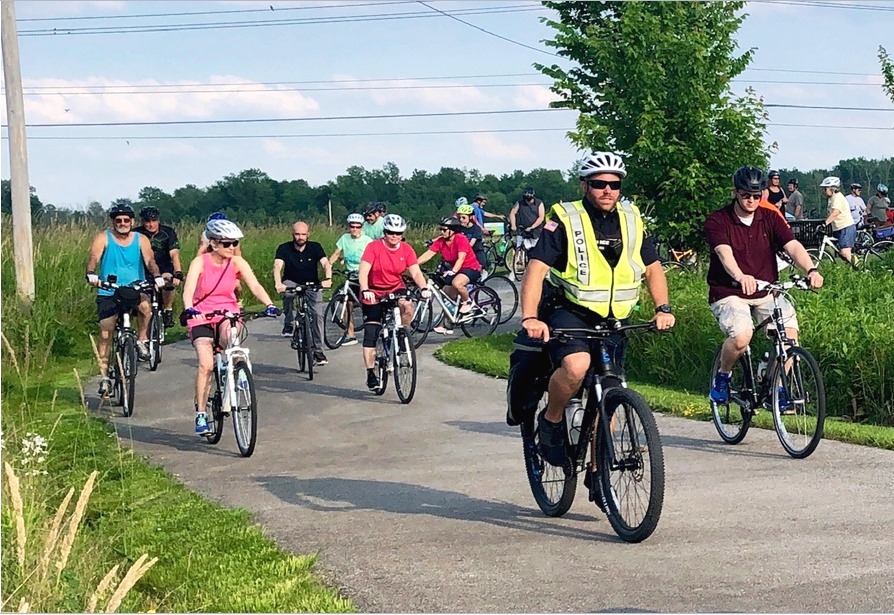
x,y
156,334
553,487
298,344
245,409
405,366
128,358
381,365
486,310
214,411
731,419
630,465
308,346
799,403
335,321
508,293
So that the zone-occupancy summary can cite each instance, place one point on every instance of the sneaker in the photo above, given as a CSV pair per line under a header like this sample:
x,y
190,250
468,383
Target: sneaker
x,y
105,387
593,493
202,426
349,341
720,390
287,330
372,381
466,307
552,441
320,358
143,350
785,405
442,330
167,318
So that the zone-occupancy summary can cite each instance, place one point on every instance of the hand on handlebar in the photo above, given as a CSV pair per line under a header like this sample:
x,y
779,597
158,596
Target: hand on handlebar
x,y
280,288
272,311
815,279
92,279
664,321
192,312
748,284
536,329
368,297
425,293
159,282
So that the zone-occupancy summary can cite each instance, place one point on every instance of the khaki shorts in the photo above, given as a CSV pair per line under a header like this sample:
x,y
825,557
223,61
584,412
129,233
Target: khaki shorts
x,y
735,314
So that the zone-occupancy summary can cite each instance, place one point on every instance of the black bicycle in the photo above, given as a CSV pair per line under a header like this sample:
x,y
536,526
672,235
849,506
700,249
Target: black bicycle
x,y
342,311
615,426
302,337
788,382
157,328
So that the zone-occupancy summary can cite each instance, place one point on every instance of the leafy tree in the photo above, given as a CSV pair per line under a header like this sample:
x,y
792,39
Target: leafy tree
x,y
652,82
6,199
887,71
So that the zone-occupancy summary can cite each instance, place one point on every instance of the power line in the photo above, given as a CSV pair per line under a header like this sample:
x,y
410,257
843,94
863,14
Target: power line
x,y
828,108
825,126
829,5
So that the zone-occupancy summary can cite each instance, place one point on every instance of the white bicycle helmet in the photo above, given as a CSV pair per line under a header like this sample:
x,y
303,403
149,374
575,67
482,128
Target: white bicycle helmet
x,y
395,223
222,229
355,219
602,162
831,182
461,201
882,189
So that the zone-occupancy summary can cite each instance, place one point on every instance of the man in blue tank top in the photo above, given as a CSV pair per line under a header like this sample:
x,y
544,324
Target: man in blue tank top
x,y
122,253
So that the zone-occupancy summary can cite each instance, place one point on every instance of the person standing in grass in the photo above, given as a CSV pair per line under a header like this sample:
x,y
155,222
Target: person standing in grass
x,y
350,246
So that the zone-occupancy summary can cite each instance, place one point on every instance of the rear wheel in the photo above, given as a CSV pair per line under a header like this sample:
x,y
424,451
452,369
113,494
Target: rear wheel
x,y
508,293
155,337
631,466
486,309
308,346
553,487
405,366
381,366
128,375
731,419
421,324
335,321
674,266
799,403
878,250
245,409
490,256
214,412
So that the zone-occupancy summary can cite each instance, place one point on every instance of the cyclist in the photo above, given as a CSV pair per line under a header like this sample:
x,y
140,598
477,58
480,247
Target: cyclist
x,y
744,239
459,266
301,259
857,205
166,249
211,285
844,227
350,246
120,252
795,202
879,204
474,234
381,272
205,246
588,282
479,205
373,214
529,214
774,193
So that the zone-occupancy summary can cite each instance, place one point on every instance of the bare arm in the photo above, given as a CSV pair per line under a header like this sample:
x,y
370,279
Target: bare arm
x,y
512,213
335,256
416,274
425,257
248,276
148,256
96,249
363,275
327,271
656,283
278,264
725,254
531,292
460,259
799,255
192,279
175,258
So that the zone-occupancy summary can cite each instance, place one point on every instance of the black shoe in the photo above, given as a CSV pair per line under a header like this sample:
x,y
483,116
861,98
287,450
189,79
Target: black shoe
x,y
593,491
320,358
372,381
552,441
287,330
105,388
167,317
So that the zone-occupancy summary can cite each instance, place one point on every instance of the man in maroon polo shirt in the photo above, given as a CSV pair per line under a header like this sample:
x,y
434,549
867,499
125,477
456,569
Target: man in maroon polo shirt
x,y
744,239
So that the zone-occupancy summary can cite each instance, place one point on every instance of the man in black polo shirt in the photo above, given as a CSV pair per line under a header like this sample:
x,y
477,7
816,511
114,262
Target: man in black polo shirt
x,y
300,258
166,248
744,239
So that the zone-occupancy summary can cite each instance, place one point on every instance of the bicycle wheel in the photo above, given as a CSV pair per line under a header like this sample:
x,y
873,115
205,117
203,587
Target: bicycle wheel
x,y
298,344
405,366
674,266
490,256
128,375
553,487
508,293
799,403
214,412
878,250
421,323
308,346
155,336
631,466
486,312
335,323
381,366
245,409
731,419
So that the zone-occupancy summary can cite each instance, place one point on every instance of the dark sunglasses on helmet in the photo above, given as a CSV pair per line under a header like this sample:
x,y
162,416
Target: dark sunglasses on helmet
x,y
228,243
602,184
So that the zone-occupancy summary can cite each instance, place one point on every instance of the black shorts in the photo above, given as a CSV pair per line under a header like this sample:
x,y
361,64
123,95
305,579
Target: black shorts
x,y
106,307
574,317
374,313
473,275
200,331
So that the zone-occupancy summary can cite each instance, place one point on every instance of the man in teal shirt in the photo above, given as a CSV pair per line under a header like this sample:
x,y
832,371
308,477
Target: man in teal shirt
x,y
374,226
351,246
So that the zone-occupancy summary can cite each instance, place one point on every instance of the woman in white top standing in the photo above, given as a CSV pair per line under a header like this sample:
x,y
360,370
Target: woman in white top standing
x,y
844,229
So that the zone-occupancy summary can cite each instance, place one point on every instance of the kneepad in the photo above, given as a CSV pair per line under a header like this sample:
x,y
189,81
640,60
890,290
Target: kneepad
x,y
371,332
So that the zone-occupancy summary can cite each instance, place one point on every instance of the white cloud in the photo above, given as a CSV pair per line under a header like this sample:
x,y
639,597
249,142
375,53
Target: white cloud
x,y
141,150
534,97
489,145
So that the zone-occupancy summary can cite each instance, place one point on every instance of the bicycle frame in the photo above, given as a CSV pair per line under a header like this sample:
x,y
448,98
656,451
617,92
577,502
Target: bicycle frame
x,y
448,305
225,357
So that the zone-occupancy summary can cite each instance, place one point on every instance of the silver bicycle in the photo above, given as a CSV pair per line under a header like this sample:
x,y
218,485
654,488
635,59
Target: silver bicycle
x,y
342,310
482,319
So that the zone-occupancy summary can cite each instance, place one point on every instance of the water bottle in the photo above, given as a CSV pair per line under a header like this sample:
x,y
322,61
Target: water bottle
x,y
574,418
762,366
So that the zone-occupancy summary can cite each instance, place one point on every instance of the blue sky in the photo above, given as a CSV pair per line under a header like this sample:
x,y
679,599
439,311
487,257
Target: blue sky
x,y
789,36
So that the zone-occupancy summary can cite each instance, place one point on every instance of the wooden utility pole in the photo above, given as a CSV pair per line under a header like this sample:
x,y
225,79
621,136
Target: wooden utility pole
x,y
18,154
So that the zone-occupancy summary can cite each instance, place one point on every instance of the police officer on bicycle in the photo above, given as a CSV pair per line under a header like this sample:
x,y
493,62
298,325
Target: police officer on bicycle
x,y
588,266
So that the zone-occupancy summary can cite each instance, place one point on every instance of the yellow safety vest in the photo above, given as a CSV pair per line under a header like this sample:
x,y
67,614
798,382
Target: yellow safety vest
x,y
588,279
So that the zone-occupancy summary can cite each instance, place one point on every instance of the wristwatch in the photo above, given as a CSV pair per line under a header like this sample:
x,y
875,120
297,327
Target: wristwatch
x,y
664,309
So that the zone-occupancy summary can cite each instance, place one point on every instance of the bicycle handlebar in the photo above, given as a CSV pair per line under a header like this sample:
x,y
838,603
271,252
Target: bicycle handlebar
x,y
780,287
600,331
301,288
140,285
241,315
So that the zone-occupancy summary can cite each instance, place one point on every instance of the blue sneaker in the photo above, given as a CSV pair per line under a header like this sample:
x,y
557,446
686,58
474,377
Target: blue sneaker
x,y
202,426
720,390
785,404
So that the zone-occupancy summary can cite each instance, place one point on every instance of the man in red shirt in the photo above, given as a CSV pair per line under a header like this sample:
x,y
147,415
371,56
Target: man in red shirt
x,y
459,265
744,238
381,269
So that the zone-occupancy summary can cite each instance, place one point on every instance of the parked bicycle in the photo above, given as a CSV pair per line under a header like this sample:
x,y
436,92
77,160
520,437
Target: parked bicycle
x,y
827,251
232,384
787,382
613,426
302,336
481,319
395,351
495,250
516,260
342,312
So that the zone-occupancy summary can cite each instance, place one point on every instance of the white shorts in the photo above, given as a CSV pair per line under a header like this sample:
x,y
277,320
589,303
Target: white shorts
x,y
734,314
529,242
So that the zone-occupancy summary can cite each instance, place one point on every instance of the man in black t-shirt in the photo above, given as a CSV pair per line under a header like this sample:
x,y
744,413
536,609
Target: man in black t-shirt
x,y
166,249
296,262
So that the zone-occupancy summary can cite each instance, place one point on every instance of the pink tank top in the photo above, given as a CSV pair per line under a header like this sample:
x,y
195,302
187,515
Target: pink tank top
x,y
222,296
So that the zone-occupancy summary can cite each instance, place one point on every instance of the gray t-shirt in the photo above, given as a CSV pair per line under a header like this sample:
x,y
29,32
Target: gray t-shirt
x,y
795,202
878,207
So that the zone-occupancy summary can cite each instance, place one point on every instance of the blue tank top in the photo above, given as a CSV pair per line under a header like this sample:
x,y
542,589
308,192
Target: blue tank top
x,y
126,262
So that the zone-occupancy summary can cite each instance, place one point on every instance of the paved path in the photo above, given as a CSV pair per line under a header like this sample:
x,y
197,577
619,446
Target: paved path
x,y
426,507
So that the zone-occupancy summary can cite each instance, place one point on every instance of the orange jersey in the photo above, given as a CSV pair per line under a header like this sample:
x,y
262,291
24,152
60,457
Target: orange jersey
x,y
767,205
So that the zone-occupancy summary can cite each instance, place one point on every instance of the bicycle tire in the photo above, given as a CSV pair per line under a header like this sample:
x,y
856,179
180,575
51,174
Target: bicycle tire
x,y
308,346
115,375
214,412
406,352
631,465
490,256
335,327
245,410
802,364
421,324
154,341
556,499
486,301
298,346
674,266
128,375
878,250
730,419
381,365
508,293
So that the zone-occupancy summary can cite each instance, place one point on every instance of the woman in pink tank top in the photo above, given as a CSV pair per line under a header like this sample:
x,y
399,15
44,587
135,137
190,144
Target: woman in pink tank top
x,y
211,285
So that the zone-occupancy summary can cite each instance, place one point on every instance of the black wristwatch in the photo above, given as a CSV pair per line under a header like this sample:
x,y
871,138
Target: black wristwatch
x,y
178,275
664,309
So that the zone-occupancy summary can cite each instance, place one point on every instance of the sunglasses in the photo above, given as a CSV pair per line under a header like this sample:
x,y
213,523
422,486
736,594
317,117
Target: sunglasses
x,y
125,220
393,233
749,197
229,243
602,184
355,226
444,228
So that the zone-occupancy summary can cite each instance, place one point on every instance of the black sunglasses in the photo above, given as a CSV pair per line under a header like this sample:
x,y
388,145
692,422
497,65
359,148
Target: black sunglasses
x,y
355,226
229,243
444,228
393,233
601,184
124,220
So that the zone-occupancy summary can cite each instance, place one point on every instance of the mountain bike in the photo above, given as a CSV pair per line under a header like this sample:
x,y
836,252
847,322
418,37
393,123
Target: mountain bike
x,y
516,258
613,426
232,384
157,328
302,336
495,250
395,351
343,309
482,319
787,382
123,365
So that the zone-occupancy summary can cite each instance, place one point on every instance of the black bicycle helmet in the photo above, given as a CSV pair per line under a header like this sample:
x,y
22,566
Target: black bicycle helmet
x,y
451,223
150,212
480,197
380,206
121,208
370,208
529,193
749,179
773,173
793,182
